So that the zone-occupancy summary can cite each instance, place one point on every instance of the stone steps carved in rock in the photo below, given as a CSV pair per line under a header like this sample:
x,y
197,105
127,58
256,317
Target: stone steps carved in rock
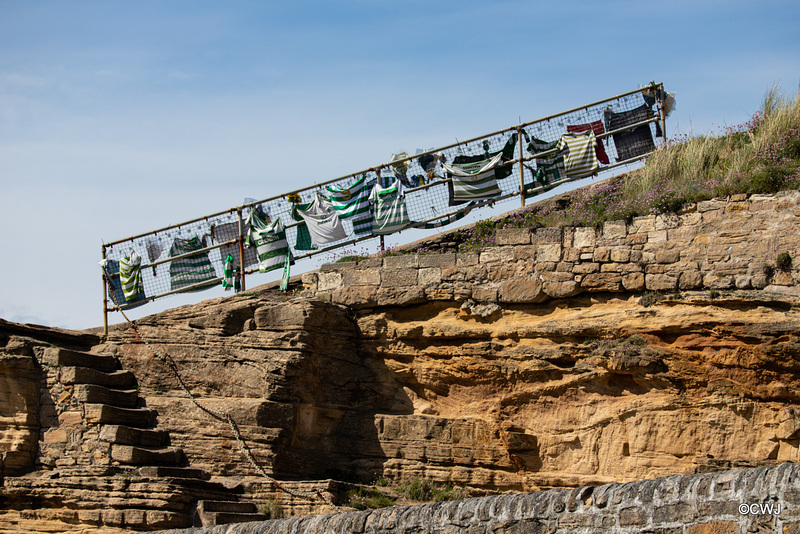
x,y
224,512
125,435
87,375
174,472
94,394
69,358
133,417
133,455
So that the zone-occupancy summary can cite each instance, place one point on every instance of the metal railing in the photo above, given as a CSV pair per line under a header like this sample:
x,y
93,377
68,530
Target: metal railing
x,y
428,193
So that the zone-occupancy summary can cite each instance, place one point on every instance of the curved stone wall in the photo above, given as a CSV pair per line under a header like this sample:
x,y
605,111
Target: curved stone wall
x,y
765,499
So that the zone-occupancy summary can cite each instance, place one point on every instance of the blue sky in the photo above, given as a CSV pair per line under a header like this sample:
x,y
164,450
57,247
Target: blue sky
x,y
120,117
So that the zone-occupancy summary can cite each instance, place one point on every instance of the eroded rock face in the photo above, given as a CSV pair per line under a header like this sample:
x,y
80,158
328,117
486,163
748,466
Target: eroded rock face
x,y
578,391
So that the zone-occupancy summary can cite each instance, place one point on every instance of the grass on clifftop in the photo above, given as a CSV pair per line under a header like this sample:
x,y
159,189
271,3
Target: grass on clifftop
x,y
759,156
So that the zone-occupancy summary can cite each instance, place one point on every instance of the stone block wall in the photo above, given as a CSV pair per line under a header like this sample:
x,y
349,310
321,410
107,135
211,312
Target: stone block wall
x,y
68,437
719,244
765,499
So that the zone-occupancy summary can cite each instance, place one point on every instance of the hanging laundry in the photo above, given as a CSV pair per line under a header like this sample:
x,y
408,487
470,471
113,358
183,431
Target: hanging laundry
x,y
130,276
303,239
221,233
389,209
580,158
323,222
230,275
195,269
597,128
154,247
269,238
353,202
550,168
475,177
635,142
474,180
111,270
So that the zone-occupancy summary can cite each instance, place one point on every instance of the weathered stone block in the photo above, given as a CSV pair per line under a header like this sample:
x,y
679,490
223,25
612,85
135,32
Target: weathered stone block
x,y
429,275
525,252
660,282
602,254
711,280
633,282
497,254
467,258
522,291
584,238
547,235
403,261
436,260
362,277
668,256
615,230
709,205
602,282
329,280
563,289
571,254
586,268
513,236
400,297
690,280
549,253
310,280
356,296
398,277
620,255
484,294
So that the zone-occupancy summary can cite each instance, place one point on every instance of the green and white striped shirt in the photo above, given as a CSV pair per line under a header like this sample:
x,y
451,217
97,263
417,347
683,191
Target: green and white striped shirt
x,y
474,181
270,242
194,269
580,157
353,202
389,209
130,277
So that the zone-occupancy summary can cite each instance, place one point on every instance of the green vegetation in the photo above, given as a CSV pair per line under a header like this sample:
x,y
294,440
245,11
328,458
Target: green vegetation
x,y
272,509
424,490
760,156
783,262
415,489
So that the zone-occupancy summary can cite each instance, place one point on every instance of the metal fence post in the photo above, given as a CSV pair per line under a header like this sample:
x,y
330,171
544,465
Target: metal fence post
x,y
241,247
105,291
521,168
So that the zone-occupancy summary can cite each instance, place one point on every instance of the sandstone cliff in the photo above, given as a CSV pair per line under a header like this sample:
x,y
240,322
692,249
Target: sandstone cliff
x,y
562,357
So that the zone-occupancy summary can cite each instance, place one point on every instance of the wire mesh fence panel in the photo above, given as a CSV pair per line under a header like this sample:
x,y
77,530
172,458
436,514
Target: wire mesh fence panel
x,y
427,190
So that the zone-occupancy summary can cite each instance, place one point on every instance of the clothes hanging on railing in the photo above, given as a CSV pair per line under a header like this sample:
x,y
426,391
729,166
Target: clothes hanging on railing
x,y
323,222
303,238
580,156
154,247
269,239
635,142
475,179
230,275
191,270
111,270
130,276
549,169
597,128
388,209
353,202
221,233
